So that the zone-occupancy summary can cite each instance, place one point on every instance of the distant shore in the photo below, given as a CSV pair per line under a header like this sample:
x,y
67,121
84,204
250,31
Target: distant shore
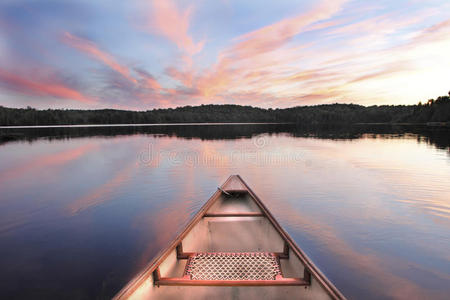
x,y
132,124
436,124
431,113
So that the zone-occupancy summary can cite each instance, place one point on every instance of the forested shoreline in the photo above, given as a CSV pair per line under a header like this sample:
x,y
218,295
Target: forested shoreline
x,y
433,110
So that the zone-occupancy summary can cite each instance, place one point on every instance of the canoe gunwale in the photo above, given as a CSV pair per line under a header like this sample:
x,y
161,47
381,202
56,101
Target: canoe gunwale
x,y
310,270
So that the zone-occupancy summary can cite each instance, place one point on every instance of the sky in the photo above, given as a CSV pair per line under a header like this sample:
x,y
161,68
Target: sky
x,y
145,54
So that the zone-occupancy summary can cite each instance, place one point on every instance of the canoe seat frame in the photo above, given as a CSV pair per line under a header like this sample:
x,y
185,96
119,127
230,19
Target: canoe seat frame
x,y
187,281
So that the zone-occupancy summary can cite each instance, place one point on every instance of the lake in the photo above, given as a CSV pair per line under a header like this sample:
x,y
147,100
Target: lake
x,y
83,209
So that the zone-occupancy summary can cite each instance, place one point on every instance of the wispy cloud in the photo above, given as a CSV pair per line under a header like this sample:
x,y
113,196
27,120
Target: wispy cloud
x,y
91,49
268,62
274,36
240,64
168,20
182,76
147,79
134,83
171,22
41,88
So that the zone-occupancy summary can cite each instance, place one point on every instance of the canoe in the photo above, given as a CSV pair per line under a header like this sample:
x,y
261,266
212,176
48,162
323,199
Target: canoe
x,y
233,248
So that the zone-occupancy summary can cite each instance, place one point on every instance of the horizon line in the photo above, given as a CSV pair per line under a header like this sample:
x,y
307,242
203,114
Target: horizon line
x,y
215,104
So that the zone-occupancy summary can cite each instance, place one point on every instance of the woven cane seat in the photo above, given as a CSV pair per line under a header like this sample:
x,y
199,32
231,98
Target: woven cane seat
x,y
233,266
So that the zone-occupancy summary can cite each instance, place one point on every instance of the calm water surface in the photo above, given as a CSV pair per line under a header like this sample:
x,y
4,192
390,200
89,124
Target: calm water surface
x,y
83,209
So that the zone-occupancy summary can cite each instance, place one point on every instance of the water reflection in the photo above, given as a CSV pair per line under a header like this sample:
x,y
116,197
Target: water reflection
x,y
100,193
434,135
44,161
84,209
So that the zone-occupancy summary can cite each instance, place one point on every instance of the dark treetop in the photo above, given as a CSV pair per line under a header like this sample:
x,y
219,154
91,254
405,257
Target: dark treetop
x,y
432,111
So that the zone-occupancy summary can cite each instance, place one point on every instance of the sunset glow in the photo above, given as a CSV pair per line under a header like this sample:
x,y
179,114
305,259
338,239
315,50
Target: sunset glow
x,y
144,54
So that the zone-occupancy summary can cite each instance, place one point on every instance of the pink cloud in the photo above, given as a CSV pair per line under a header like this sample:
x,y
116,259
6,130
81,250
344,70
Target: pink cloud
x,y
93,51
167,20
383,24
254,52
147,80
144,86
240,67
264,62
436,32
276,35
141,80
152,83
36,87
389,70
184,77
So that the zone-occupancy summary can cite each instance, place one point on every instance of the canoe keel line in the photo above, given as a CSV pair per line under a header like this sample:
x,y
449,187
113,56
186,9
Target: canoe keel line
x,y
232,249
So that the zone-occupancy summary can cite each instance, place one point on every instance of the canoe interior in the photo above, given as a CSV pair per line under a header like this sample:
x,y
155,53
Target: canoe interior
x,y
234,220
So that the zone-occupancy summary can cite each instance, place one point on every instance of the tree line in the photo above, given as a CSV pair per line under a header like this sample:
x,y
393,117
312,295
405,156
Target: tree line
x,y
433,110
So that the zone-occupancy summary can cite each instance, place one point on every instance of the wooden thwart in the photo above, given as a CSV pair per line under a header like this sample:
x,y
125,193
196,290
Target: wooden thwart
x,y
236,214
223,191
185,255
